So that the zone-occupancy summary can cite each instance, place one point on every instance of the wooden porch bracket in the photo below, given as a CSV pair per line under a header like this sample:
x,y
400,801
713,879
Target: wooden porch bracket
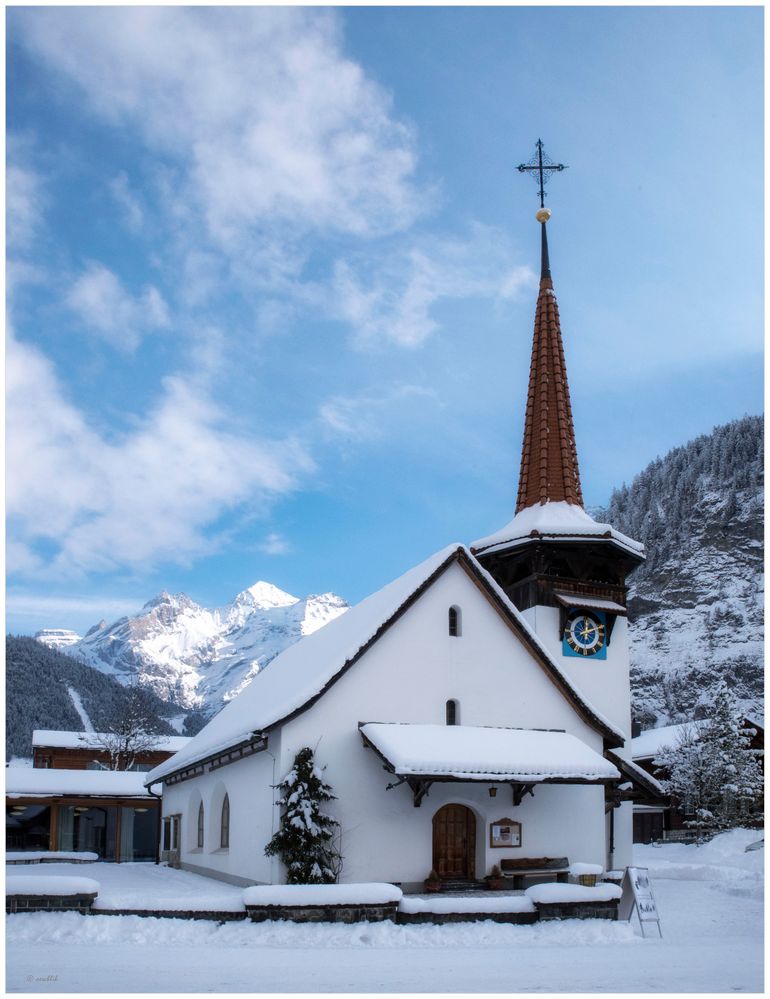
x,y
419,789
520,790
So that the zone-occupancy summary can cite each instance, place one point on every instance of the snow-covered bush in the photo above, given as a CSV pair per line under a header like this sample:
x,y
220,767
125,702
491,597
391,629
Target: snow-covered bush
x,y
306,840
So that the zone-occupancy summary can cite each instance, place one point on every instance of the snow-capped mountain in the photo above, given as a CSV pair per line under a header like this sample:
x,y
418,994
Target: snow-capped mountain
x,y
200,658
57,638
696,606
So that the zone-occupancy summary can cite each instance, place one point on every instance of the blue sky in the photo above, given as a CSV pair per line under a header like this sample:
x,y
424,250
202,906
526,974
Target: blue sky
x,y
272,276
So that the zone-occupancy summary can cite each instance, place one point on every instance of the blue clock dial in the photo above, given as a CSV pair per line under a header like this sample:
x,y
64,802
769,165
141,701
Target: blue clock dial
x,y
584,633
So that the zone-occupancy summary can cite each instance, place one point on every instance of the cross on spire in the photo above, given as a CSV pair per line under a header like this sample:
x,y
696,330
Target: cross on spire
x,y
541,166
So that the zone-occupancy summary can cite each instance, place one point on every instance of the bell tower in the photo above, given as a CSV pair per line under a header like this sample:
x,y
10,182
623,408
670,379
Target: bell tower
x,y
565,571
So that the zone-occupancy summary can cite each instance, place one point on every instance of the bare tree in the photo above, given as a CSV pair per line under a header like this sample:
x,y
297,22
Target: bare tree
x,y
129,737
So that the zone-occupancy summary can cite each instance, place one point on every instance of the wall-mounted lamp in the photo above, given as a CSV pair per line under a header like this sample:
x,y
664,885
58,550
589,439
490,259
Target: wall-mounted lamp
x,y
492,792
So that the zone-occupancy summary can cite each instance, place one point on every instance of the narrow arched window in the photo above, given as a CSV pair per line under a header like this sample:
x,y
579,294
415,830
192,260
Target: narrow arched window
x,y
452,713
200,826
224,835
455,622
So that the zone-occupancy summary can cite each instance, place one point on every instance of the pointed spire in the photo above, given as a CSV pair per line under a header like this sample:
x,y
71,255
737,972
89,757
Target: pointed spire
x,y
549,464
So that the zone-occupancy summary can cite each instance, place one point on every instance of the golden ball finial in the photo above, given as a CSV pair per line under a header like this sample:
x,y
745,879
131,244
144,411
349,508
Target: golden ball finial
x,y
543,214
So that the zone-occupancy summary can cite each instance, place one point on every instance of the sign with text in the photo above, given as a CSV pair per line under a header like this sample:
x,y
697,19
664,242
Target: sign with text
x,y
637,891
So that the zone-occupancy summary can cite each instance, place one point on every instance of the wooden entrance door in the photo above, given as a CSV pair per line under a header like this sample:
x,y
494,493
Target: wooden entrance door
x,y
454,843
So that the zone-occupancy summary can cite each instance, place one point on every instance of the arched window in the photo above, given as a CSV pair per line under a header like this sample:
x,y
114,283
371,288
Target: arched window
x,y
452,713
455,622
200,826
224,835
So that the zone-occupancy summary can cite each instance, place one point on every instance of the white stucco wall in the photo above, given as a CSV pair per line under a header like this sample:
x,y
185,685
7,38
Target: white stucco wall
x,y
408,676
604,682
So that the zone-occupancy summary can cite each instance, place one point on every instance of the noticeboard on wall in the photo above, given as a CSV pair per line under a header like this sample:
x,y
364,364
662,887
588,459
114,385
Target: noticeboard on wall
x,y
505,832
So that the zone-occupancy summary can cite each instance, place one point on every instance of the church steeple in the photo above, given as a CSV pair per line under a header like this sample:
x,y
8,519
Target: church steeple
x,y
549,464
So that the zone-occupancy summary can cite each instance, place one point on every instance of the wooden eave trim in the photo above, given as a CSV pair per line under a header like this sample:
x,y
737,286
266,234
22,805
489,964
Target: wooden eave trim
x,y
240,751
559,680
79,799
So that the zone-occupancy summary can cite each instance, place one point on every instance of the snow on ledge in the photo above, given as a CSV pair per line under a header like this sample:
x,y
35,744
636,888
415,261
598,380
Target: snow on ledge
x,y
551,893
578,869
367,893
481,903
50,884
31,856
559,519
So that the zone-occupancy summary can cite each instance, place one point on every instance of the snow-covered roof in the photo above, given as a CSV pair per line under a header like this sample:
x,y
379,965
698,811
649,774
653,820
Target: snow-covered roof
x,y
25,782
587,600
300,674
649,743
469,752
643,781
562,520
55,739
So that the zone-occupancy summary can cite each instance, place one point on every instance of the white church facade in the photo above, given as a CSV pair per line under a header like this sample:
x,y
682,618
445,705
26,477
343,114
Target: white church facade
x,y
474,711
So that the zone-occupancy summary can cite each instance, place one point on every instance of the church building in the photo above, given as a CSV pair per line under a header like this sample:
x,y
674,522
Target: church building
x,y
472,713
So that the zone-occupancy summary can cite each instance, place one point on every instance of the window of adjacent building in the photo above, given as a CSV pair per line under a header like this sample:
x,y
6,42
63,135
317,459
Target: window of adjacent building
x,y
88,828
138,833
224,835
27,827
452,713
455,622
175,822
200,826
166,834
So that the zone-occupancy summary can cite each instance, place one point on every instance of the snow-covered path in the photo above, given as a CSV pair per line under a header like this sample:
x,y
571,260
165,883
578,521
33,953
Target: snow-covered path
x,y
709,899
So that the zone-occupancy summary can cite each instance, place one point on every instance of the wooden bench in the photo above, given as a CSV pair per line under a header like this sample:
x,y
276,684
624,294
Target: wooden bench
x,y
521,868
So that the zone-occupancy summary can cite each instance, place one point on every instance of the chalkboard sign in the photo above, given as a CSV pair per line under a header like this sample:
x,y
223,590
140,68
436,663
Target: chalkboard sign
x,y
637,892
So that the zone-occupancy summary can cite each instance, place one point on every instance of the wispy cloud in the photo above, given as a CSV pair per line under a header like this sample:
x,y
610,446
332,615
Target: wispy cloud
x,y
275,544
127,201
99,299
394,299
364,416
34,605
156,494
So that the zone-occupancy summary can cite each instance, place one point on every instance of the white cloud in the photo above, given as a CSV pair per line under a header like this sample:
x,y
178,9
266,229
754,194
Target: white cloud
x,y
364,416
23,199
395,303
271,126
275,544
127,201
104,305
154,495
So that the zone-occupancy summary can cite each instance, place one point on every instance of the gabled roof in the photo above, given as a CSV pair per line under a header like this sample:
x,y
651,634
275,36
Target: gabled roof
x,y
472,752
296,678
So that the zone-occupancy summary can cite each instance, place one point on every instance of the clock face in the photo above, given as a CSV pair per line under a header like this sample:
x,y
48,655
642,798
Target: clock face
x,y
585,634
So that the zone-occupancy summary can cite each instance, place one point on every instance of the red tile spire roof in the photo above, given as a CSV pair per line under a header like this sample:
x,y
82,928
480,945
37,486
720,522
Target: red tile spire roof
x,y
549,464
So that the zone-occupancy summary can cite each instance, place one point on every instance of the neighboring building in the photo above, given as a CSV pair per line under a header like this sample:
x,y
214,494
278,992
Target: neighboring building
x,y
108,812
486,690
57,638
68,801
86,750
662,819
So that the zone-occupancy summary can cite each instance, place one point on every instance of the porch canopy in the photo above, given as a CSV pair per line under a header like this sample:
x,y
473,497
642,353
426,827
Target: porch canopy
x,y
423,754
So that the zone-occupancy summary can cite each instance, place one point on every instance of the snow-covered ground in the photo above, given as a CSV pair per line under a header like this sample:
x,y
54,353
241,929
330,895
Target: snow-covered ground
x,y
709,898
